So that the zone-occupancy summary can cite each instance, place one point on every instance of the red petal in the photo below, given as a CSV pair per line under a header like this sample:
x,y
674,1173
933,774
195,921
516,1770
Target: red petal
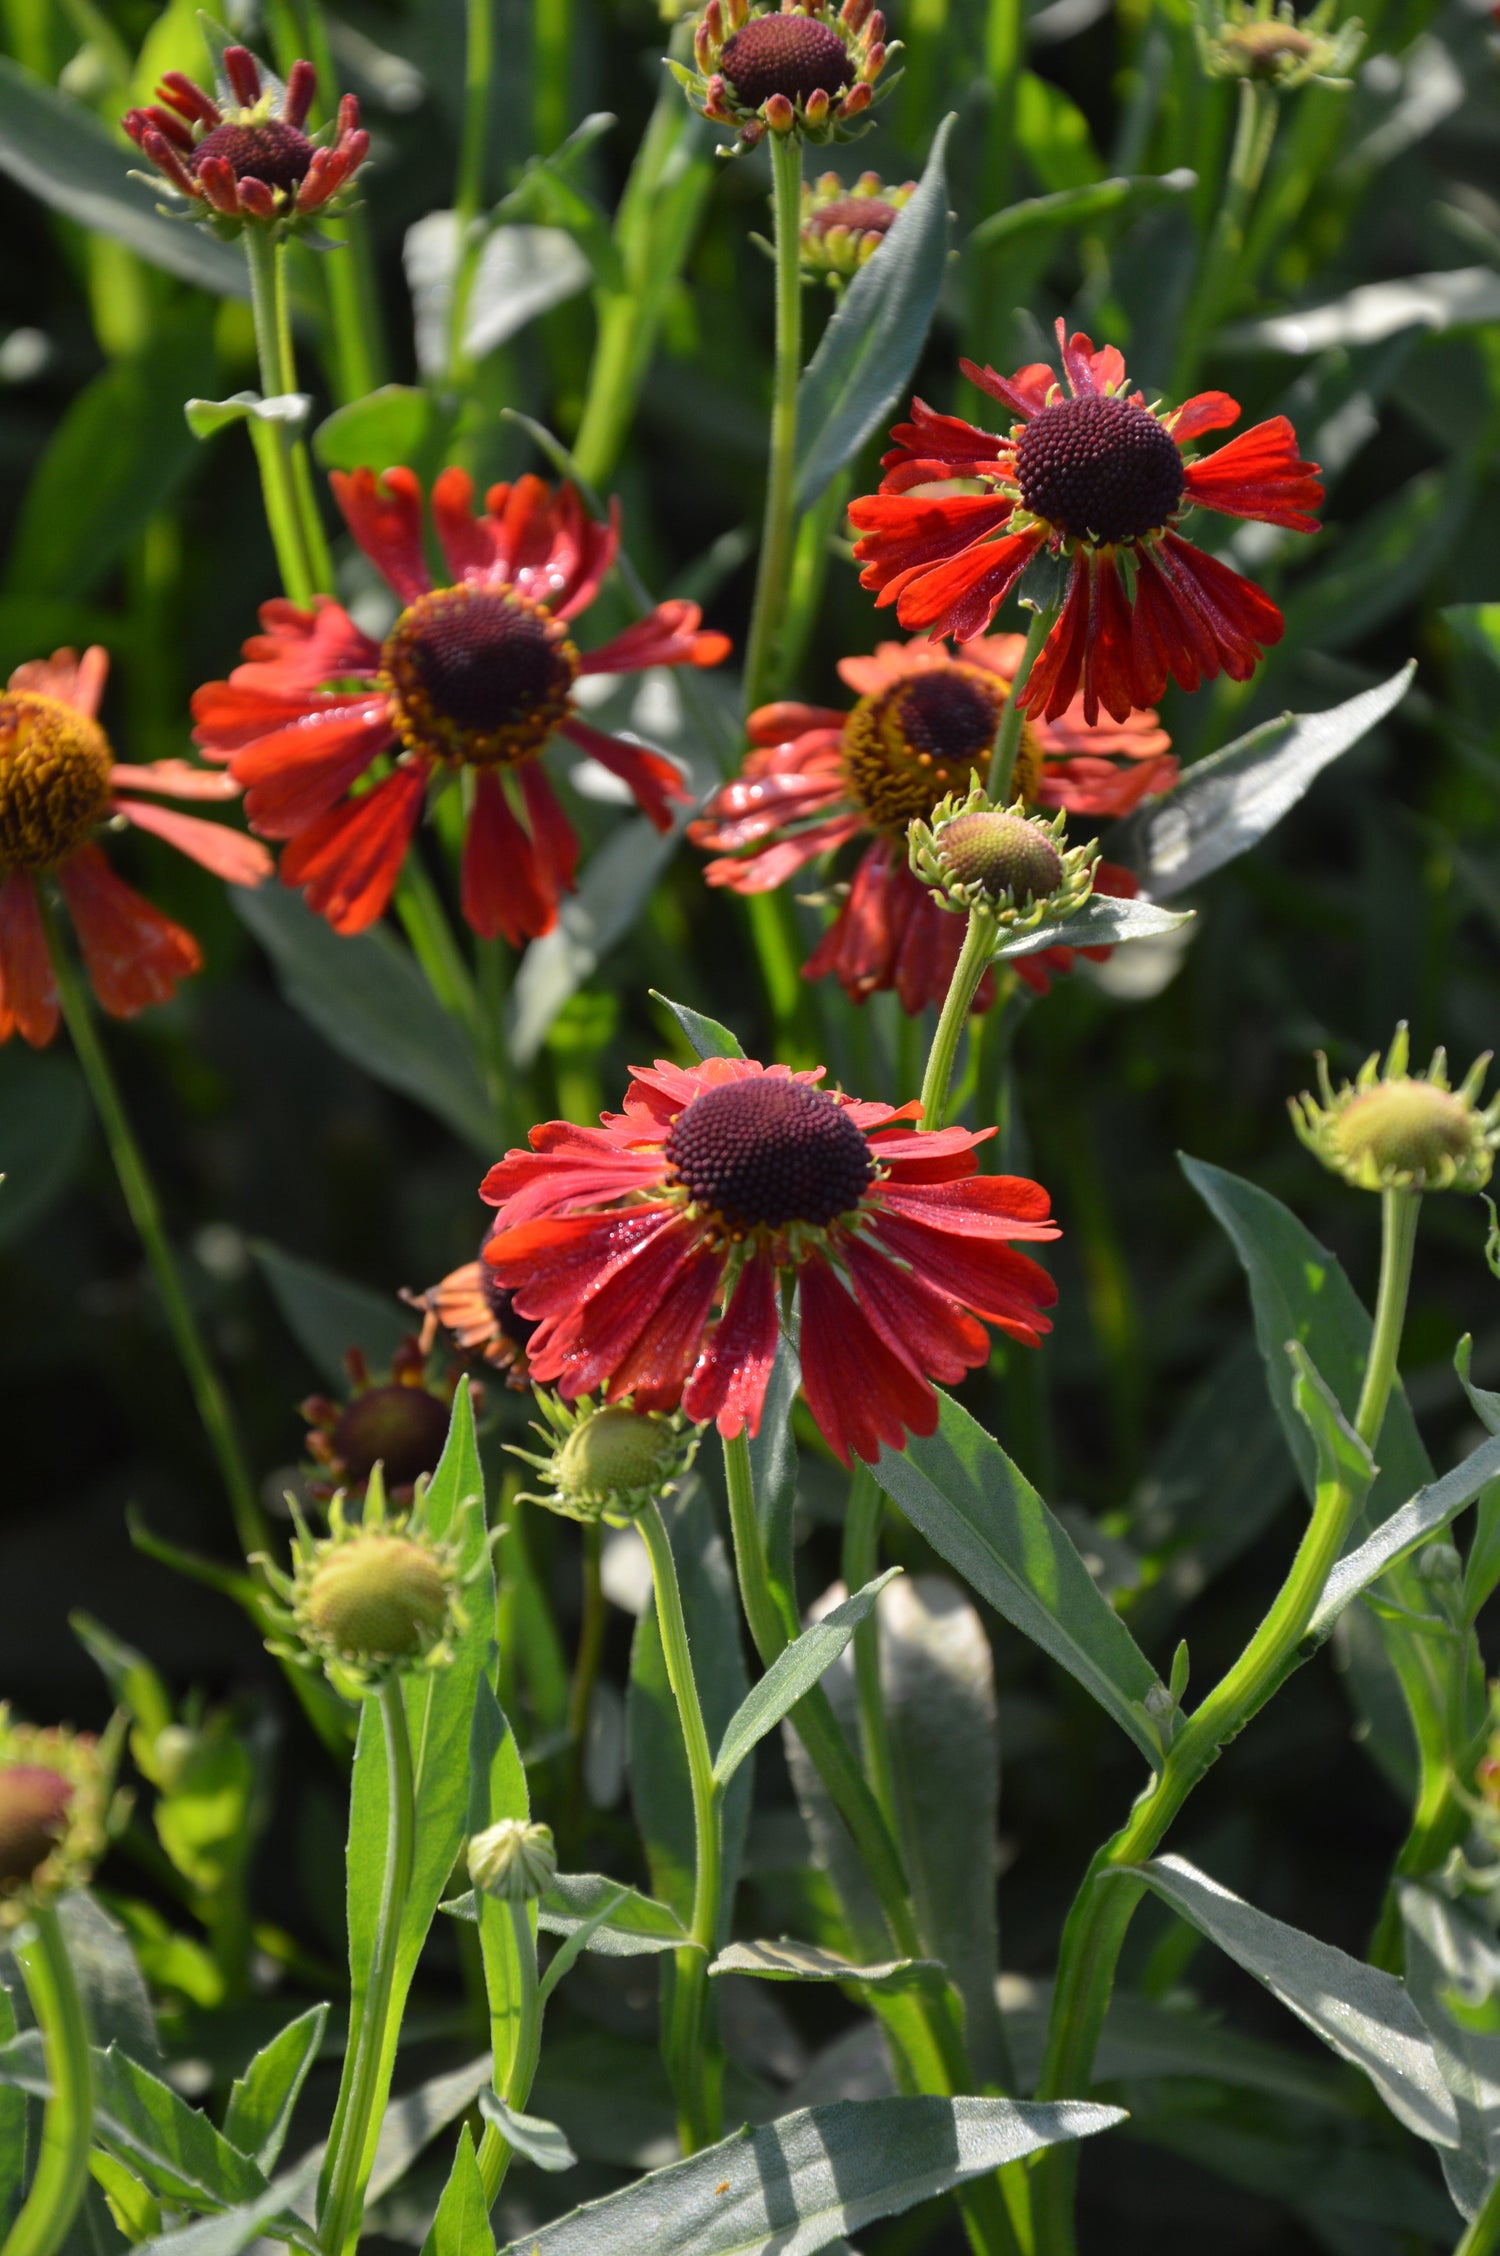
x,y
859,1392
669,637
132,953
1005,1287
657,1366
501,888
961,598
553,1263
385,517
1024,393
294,777
28,997
72,680
916,1321
467,542
348,861
1205,411
553,836
1261,475
586,1348
903,533
228,853
650,775
299,649
1055,677
731,1375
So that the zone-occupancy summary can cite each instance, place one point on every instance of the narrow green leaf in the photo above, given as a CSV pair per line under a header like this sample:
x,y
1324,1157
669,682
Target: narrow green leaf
x,y
1453,1975
366,997
497,1790
1429,1510
134,1684
981,1514
259,2113
1362,2013
327,1314
870,346
133,2207
707,1036
611,894
1102,922
1484,1404
541,2143
800,2182
232,2231
1460,297
522,272
1226,804
414,2120
1082,206
206,418
792,1674
635,1925
109,1978
58,151
787,1961
462,2224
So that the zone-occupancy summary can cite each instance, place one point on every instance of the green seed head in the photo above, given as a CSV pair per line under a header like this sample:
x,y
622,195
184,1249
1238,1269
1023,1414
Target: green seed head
x,y
377,1597
1392,1130
607,1462
1003,856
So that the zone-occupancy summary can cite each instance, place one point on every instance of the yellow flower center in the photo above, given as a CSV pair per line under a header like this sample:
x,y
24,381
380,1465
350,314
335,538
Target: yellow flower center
x,y
907,747
478,675
54,779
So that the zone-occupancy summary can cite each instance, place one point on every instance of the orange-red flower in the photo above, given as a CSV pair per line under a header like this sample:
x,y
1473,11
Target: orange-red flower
x,y
817,778
472,680
60,783
650,1251
249,161
471,1308
1095,475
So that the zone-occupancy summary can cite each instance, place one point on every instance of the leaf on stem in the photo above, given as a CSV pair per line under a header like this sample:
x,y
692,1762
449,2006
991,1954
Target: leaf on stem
x,y
1080,206
707,1036
1453,1975
205,417
327,1314
521,272
788,1961
792,1674
1102,922
1431,1509
634,1925
462,2224
259,2113
397,423
540,2142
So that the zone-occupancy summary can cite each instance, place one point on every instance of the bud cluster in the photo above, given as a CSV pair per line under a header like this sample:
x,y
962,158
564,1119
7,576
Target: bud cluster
x,y
843,227
1392,1130
374,1598
606,1461
808,67
971,854
1267,41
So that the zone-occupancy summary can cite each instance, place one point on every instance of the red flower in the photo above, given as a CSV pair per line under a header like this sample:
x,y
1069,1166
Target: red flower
x,y
474,676
471,1308
249,160
714,1185
1093,474
923,727
59,783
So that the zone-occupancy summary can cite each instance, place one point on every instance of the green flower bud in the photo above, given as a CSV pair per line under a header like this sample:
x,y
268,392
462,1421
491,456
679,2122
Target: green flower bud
x,y
369,1600
55,1812
971,854
1391,1130
514,1860
607,1461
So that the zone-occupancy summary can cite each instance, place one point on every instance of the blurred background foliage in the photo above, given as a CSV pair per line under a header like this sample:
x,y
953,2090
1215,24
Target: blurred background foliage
x,y
1367,305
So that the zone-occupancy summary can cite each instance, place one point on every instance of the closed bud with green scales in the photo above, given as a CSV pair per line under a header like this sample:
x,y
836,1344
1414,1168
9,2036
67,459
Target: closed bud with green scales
x,y
1393,1130
1267,41
515,1860
606,1461
971,854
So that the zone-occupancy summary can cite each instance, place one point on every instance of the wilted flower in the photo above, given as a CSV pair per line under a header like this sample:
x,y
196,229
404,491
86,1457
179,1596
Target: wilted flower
x,y
55,1812
478,1315
399,1421
60,784
1392,1130
373,1598
721,1182
471,682
1093,475
1267,40
607,1461
843,227
1018,867
807,67
245,160
817,779
515,1860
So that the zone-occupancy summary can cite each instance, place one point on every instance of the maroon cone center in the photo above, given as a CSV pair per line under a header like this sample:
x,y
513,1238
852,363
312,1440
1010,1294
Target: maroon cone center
x,y
1099,466
33,1818
403,1427
271,151
950,717
788,55
766,1152
484,661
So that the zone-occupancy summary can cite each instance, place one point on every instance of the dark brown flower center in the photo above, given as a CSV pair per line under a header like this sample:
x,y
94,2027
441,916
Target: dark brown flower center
x,y
270,151
766,1152
1099,468
788,55
54,779
403,1427
907,747
863,215
34,1806
479,674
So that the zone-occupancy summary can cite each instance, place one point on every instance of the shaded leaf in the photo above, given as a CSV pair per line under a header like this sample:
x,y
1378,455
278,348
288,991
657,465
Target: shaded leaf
x,y
522,271
1102,922
1453,1975
540,2142
234,2230
413,2121
396,423
1080,206
610,895
787,1961
44,1131
206,418
1460,297
327,1314
109,1979
635,1925
1429,1510
259,2113
462,2224
793,1673
707,1036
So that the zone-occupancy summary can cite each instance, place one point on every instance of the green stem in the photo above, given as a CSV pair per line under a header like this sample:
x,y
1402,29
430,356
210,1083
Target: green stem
x,y
861,1563
592,1624
695,2076
1482,2235
973,962
1101,1913
272,440
62,2169
353,300
779,531
314,541
351,2149
495,2149
552,44
1218,277
145,1212
1008,734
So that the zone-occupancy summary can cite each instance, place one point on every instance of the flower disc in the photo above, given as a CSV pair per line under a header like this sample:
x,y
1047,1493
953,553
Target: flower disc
x,y
1000,854
34,1805
401,1427
479,674
270,151
789,55
862,215
907,747
377,1597
1099,468
54,778
763,1153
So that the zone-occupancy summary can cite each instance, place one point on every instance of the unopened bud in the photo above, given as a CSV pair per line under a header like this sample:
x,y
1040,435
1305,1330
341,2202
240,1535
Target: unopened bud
x,y
514,1860
608,1463
1001,855
1391,1130
378,1598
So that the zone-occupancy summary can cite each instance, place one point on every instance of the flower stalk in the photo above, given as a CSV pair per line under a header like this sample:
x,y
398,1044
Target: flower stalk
x,y
62,2170
779,532
285,475
495,2149
141,1198
973,962
1254,134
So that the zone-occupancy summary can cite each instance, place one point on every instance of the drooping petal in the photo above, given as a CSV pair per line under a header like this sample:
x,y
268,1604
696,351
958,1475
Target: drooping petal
x,y
1055,678
901,534
502,889
132,953
553,836
385,517
28,994
1024,393
1241,617
860,1392
656,1368
650,775
228,853
298,650
294,777
771,865
962,597
178,779
671,636
347,862
585,1348
467,541
787,722
551,1264
732,1373
1259,475
915,1320
985,1274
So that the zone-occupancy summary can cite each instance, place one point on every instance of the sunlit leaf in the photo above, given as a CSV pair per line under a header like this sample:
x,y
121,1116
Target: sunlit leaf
x,y
793,1673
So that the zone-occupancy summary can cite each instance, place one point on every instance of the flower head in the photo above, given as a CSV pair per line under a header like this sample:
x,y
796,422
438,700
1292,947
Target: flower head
x,y
55,1812
1267,40
651,1251
375,1597
515,1860
1019,867
1091,474
245,160
843,227
60,785
399,1421
607,1461
470,1309
1393,1130
817,779
807,67
472,681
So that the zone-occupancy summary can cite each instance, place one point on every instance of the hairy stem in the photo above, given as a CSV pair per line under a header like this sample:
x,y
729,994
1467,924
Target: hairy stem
x,y
779,532
272,439
973,962
62,2169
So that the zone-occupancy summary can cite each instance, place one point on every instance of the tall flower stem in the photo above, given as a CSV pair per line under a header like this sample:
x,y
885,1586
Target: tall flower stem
x,y
973,962
779,531
62,2170
295,532
495,2150
592,1624
861,1563
351,2147
1008,734
1218,276
145,1212
696,2075
468,190
1102,1909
